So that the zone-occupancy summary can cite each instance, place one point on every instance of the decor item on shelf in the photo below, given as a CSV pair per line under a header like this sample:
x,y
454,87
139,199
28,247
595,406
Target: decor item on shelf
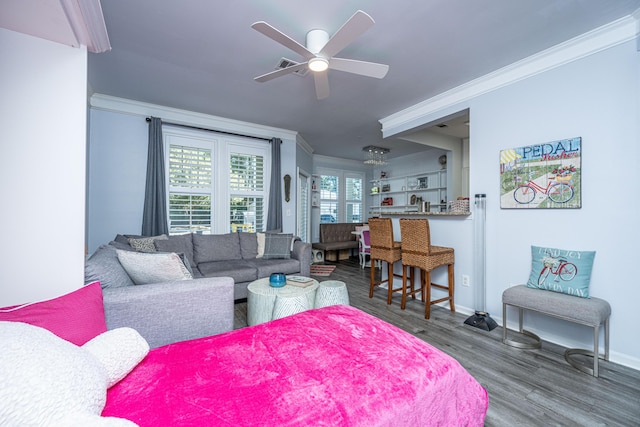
x,y
383,174
459,206
387,201
375,155
413,199
423,182
443,161
386,188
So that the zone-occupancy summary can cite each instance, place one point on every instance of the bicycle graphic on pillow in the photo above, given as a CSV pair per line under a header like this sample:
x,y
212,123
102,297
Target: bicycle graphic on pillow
x,y
557,266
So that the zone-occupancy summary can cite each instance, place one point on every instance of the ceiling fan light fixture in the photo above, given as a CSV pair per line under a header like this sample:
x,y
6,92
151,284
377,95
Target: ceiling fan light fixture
x,y
318,64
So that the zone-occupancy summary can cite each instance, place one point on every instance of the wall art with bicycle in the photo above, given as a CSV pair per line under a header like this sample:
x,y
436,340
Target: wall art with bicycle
x,y
542,176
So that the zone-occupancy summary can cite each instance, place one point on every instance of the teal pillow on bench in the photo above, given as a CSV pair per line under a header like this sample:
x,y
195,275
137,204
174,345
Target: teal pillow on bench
x,y
560,270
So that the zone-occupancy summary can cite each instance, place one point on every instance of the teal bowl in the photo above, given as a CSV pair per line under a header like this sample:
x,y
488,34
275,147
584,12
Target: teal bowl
x,y
277,280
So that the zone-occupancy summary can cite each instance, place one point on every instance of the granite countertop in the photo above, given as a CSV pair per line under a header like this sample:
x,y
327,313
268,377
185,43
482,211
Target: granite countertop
x,y
415,213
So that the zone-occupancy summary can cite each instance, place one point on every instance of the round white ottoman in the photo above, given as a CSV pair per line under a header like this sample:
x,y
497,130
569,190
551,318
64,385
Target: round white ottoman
x,y
331,292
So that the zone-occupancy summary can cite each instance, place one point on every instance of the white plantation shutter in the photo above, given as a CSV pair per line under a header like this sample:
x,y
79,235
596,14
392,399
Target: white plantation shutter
x,y
247,192
190,189
341,196
353,198
303,207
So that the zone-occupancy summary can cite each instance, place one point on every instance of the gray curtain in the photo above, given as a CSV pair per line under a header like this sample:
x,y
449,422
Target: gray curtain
x,y
154,217
274,216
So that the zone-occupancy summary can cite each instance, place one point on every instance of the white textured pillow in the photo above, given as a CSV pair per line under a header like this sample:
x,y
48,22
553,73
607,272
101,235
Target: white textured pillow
x,y
49,381
261,241
120,350
146,268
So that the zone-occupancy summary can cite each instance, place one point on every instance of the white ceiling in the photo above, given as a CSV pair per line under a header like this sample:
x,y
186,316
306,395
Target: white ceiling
x,y
202,56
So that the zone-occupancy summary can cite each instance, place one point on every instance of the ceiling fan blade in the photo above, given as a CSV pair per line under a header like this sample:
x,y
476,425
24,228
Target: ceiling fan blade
x,y
322,84
354,27
283,39
363,68
274,74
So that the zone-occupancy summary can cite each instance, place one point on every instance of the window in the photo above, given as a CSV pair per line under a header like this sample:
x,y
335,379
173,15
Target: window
x,y
353,198
246,183
328,198
341,197
215,185
190,189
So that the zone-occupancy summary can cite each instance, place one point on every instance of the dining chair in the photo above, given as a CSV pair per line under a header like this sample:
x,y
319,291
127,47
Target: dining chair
x,y
364,249
384,249
418,252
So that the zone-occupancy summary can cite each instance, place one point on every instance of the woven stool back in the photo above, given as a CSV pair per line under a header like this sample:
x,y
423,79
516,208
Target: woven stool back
x,y
417,250
381,238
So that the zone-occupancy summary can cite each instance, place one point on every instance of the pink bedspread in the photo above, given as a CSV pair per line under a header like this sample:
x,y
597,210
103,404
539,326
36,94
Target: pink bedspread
x,y
335,366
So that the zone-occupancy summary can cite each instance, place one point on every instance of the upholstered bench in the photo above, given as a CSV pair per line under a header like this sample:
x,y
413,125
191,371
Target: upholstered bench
x,y
337,240
586,311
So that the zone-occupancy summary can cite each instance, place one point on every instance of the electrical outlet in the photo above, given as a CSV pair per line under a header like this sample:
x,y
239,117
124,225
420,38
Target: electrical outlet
x,y
465,280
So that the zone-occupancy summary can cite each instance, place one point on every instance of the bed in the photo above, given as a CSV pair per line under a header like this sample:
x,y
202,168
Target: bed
x,y
335,366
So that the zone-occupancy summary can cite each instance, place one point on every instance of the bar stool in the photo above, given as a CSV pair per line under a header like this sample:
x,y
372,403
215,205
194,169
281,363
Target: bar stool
x,y
418,252
383,248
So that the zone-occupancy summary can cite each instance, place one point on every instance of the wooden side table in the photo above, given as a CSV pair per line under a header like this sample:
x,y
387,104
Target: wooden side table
x,y
265,303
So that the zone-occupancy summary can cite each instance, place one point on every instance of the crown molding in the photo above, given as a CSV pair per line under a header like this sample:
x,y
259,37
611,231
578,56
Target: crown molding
x,y
87,23
604,37
304,145
121,105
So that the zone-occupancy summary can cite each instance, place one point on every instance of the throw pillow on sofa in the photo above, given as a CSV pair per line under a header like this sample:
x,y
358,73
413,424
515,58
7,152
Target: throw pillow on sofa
x,y
145,267
277,246
146,244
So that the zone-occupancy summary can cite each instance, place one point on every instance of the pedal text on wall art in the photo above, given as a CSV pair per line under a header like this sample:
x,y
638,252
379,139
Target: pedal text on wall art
x,y
542,176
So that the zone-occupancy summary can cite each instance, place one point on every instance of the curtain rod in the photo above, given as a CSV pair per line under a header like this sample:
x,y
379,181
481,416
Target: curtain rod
x,y
148,119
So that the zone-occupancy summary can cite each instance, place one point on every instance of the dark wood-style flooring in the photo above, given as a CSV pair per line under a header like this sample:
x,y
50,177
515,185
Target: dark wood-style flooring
x,y
526,387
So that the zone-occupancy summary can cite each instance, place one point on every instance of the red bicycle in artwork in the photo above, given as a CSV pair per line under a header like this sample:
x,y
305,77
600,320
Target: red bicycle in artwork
x,y
559,267
559,192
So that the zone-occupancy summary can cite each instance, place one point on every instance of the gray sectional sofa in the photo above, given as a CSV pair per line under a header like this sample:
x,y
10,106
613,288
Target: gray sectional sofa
x,y
222,266
235,255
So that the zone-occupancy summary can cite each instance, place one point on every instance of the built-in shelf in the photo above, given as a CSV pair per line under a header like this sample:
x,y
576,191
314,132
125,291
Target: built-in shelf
x,y
407,190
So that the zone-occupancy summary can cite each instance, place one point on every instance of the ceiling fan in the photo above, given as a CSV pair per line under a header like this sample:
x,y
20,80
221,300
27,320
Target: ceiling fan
x,y
320,50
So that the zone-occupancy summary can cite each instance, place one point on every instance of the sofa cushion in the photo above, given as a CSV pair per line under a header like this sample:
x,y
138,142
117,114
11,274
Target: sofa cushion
x,y
216,247
153,267
277,246
267,266
239,270
103,266
76,317
248,245
181,243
